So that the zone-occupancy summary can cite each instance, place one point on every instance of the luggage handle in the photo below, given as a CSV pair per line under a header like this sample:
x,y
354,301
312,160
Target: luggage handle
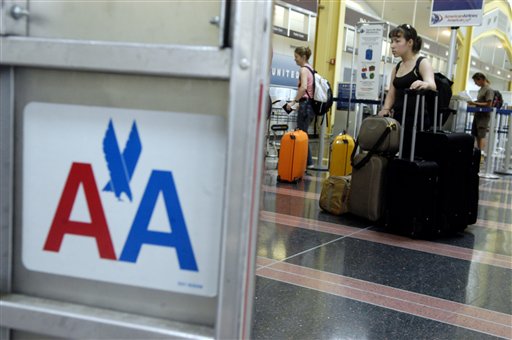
x,y
435,112
418,93
279,127
404,113
436,96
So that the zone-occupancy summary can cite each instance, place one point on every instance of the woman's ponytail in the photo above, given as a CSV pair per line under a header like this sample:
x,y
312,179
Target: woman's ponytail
x,y
418,42
303,52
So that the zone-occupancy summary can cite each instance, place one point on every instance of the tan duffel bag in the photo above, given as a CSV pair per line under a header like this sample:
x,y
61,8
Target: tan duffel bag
x,y
334,195
371,131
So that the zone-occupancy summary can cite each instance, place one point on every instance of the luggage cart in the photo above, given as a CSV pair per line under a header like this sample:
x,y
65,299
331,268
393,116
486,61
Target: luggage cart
x,y
275,130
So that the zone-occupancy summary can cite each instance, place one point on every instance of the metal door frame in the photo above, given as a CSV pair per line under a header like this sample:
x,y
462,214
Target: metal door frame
x,y
243,60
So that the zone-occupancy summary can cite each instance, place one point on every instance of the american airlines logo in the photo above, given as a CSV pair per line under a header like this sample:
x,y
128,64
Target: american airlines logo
x,y
126,196
121,166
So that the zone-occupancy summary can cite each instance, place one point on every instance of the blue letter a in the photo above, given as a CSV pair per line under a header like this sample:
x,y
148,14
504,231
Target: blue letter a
x,y
139,233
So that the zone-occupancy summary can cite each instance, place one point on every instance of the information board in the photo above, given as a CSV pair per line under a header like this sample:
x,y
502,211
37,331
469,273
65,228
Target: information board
x,y
368,61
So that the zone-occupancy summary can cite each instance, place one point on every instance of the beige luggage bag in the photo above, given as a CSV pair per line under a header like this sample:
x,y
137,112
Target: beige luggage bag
x,y
334,195
368,187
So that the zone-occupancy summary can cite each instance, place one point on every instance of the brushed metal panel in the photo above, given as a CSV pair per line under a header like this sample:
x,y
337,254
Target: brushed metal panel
x,y
123,91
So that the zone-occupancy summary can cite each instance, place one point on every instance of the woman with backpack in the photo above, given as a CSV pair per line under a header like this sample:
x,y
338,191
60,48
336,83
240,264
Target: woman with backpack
x,y
305,113
481,120
413,72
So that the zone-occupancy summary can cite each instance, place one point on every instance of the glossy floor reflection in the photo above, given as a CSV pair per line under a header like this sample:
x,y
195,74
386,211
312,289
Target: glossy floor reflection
x,y
321,276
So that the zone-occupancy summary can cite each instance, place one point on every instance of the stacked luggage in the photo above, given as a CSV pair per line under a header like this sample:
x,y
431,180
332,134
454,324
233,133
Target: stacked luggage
x,y
431,192
336,188
378,139
434,191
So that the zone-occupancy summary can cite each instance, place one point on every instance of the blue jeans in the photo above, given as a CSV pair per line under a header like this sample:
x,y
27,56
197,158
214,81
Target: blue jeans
x,y
305,116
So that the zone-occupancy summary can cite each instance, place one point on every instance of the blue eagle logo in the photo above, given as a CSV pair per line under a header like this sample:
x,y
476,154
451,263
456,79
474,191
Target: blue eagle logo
x,y
436,18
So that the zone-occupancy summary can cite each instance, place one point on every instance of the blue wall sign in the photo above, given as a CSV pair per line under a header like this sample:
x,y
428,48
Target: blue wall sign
x,y
344,95
285,72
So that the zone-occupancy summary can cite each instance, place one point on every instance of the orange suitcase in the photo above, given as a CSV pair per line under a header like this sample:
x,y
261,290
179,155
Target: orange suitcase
x,y
292,156
341,150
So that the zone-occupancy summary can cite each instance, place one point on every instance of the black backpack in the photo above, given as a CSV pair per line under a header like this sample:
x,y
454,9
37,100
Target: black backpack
x,y
444,94
497,102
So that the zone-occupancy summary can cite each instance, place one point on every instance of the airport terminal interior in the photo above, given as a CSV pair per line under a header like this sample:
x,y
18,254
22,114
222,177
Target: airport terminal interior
x,y
135,149
322,276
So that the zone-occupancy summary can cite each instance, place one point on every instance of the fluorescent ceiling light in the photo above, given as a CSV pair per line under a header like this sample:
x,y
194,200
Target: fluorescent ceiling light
x,y
355,5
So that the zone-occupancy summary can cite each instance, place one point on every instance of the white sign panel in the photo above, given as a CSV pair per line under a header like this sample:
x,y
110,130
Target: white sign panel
x,y
125,196
448,13
368,62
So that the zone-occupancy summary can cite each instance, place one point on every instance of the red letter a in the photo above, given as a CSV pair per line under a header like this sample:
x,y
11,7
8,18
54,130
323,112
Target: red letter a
x,y
61,225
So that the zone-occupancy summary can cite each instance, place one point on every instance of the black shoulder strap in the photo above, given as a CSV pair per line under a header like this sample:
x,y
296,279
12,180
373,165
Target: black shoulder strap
x,y
313,74
417,67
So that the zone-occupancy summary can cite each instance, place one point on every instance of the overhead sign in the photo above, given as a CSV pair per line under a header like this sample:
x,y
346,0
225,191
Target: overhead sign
x,y
298,35
448,13
280,31
290,33
123,195
368,61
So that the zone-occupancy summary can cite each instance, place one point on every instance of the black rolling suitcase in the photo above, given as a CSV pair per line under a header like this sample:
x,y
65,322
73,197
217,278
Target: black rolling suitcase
x,y
454,154
412,189
474,182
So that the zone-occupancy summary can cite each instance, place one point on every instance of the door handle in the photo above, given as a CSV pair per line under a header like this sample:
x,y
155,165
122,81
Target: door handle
x,y
18,12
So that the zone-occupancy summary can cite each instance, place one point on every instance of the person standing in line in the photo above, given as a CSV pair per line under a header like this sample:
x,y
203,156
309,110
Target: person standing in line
x,y
304,96
413,72
481,119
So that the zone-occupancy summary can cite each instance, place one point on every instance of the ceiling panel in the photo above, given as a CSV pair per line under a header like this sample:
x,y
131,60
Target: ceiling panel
x,y
402,12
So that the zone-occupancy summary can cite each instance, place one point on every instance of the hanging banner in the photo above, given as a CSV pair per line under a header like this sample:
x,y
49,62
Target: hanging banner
x,y
456,13
368,61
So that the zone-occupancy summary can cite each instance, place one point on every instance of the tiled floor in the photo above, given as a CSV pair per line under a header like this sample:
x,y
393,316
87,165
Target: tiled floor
x,y
321,276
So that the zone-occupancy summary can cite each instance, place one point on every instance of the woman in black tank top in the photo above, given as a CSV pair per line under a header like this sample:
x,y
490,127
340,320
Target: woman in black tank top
x,y
413,72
